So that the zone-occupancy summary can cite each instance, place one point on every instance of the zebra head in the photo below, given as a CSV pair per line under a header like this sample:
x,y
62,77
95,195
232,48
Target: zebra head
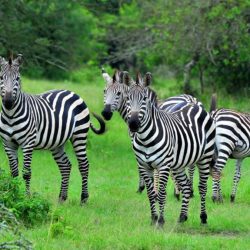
x,y
138,99
113,96
10,81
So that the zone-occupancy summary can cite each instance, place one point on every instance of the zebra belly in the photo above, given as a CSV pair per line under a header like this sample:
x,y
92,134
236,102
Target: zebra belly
x,y
153,161
52,140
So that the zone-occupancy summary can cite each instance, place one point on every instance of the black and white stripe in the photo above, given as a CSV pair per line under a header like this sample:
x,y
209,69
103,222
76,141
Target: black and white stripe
x,y
43,121
165,141
232,141
115,100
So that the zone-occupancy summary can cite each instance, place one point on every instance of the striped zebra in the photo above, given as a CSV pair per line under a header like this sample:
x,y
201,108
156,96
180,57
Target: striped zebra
x,y
114,100
44,121
232,141
165,141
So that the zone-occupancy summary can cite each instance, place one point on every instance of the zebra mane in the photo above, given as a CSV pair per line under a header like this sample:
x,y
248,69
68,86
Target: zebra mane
x,y
152,96
10,58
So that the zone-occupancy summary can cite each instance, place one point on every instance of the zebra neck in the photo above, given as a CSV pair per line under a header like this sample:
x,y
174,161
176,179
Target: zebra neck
x,y
151,123
123,110
155,130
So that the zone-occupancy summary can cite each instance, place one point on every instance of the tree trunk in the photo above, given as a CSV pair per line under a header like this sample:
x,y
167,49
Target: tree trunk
x,y
187,71
201,79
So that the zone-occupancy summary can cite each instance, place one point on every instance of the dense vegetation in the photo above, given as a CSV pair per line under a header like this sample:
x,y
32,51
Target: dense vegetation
x,y
209,39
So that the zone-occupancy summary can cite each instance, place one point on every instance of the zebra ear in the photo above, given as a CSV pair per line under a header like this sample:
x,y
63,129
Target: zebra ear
x,y
2,60
126,78
116,76
121,73
148,79
106,76
18,61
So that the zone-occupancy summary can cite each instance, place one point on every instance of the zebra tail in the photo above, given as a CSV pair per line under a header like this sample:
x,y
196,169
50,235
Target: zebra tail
x,y
213,103
102,125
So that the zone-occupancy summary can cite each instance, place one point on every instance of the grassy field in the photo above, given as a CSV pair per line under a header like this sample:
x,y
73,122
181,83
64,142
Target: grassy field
x,y
116,217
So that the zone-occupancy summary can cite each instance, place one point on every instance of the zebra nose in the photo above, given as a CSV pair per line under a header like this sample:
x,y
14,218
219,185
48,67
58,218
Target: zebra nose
x,y
8,100
106,113
133,122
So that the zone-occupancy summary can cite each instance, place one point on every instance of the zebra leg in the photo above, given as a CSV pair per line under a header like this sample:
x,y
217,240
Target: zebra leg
x,y
65,167
11,151
223,155
156,181
79,142
184,183
163,179
27,156
236,180
176,187
191,178
203,177
141,183
147,176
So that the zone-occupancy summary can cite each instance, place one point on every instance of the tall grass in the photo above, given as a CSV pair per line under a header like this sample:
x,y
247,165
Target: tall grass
x,y
116,217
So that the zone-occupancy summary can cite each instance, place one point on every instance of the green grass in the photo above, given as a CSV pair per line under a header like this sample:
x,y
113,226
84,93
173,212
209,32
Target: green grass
x,y
116,217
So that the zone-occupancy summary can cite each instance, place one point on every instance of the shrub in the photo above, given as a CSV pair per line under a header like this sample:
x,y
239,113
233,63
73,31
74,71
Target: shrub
x,y
29,210
10,235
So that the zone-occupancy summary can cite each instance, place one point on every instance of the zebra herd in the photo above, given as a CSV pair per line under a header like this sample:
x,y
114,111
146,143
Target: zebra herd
x,y
175,133
167,136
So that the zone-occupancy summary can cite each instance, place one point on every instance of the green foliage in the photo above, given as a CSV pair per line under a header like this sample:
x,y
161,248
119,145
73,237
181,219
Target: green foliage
x,y
59,226
148,34
30,210
10,235
58,38
53,36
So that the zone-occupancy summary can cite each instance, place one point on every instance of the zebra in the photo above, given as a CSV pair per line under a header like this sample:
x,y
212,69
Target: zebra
x,y
165,141
44,121
232,141
114,100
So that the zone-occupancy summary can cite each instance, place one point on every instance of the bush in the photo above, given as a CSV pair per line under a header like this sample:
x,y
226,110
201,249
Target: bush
x,y
10,235
29,210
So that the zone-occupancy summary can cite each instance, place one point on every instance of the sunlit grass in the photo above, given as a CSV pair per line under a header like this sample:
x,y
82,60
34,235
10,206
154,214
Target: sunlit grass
x,y
116,217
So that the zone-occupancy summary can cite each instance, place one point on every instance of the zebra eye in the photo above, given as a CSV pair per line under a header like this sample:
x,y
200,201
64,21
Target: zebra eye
x,y
1,78
118,93
18,78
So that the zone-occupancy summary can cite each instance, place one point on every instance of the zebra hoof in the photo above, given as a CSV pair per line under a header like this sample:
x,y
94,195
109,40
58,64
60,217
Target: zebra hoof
x,y
214,199
232,198
161,222
154,219
182,218
140,189
203,218
62,198
84,198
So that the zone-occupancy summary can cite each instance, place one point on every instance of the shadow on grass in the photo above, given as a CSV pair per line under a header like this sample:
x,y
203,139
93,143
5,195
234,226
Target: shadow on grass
x,y
208,230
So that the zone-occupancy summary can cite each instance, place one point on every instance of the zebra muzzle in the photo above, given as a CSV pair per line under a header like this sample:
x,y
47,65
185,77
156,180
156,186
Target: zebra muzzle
x,y
107,113
133,122
8,101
